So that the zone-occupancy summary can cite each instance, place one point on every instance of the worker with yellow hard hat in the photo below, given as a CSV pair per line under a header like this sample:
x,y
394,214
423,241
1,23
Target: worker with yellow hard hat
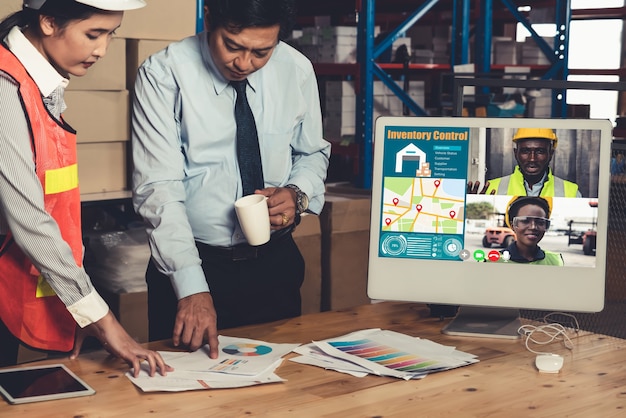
x,y
529,217
532,176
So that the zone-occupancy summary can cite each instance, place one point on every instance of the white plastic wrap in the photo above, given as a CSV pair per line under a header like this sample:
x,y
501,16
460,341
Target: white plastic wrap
x,y
118,260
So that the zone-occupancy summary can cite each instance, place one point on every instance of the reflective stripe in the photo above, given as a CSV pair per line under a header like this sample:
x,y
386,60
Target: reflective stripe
x,y
503,187
513,185
43,288
62,179
559,186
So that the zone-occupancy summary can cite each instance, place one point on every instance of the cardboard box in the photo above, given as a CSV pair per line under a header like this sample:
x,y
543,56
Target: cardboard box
x,y
131,310
109,73
137,51
8,7
102,167
308,238
345,224
160,19
98,116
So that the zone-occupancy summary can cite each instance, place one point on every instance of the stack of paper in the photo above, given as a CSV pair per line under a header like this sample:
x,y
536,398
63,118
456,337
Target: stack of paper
x,y
241,362
384,353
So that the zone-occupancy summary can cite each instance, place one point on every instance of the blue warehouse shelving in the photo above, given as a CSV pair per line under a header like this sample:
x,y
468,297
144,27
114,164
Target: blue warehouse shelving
x,y
470,20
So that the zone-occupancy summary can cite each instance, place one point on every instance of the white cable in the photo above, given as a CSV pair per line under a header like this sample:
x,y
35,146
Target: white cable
x,y
574,323
546,334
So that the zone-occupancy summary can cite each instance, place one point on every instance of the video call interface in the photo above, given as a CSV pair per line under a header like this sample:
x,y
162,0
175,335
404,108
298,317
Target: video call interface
x,y
435,203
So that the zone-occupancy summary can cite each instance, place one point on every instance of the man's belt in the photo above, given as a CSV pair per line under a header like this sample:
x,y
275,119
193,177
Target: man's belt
x,y
241,252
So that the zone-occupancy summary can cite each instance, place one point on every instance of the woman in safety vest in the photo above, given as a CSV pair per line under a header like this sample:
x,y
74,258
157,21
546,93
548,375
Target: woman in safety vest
x,y
529,217
44,290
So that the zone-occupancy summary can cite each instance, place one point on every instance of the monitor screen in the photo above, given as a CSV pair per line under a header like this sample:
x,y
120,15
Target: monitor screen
x,y
490,212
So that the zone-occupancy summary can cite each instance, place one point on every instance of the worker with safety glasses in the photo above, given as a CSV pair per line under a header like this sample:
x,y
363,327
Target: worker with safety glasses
x,y
529,218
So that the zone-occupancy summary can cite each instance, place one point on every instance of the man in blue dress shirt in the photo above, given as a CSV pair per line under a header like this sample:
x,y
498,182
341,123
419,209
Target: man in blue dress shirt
x,y
203,276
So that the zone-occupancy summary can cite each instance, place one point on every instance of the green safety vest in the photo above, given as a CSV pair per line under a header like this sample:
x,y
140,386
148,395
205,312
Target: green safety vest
x,y
551,259
513,185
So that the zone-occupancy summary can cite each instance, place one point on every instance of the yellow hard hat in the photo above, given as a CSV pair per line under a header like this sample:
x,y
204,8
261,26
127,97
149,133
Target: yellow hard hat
x,y
543,201
533,133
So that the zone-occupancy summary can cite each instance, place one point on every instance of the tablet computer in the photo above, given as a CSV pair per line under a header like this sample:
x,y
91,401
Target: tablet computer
x,y
41,383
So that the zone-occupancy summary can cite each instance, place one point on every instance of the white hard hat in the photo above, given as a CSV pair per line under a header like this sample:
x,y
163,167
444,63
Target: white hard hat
x,y
113,5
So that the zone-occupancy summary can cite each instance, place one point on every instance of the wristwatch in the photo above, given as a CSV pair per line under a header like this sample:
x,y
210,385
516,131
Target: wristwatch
x,y
302,200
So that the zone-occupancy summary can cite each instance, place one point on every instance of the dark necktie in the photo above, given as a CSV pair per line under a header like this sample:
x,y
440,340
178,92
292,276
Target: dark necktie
x,y
248,153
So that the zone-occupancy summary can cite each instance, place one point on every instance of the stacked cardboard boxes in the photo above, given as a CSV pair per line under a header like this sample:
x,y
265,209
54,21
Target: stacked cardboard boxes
x,y
505,51
153,28
395,106
8,7
532,54
99,109
331,44
340,105
339,109
429,44
99,103
540,105
337,44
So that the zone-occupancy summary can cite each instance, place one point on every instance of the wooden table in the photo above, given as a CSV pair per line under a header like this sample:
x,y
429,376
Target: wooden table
x,y
505,383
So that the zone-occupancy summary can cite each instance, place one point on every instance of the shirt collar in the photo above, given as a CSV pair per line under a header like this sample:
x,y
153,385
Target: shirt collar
x,y
43,73
535,189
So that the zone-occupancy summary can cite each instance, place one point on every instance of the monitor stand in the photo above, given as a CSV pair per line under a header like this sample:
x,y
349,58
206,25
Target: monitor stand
x,y
475,321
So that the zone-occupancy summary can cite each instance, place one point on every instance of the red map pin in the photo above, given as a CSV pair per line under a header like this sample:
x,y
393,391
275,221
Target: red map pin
x,y
395,201
452,214
388,221
419,208
437,183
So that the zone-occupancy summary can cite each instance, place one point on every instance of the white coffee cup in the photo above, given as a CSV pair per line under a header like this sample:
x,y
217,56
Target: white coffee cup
x,y
254,218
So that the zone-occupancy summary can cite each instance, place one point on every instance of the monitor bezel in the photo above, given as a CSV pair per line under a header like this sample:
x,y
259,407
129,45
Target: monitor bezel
x,y
490,284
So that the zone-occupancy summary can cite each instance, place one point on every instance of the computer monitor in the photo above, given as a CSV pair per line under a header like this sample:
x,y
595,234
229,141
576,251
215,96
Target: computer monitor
x,y
435,239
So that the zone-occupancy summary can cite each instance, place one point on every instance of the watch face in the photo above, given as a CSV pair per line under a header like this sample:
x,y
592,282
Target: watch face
x,y
304,202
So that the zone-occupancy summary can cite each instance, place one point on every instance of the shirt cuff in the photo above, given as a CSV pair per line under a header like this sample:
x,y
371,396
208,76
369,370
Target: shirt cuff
x,y
189,281
89,309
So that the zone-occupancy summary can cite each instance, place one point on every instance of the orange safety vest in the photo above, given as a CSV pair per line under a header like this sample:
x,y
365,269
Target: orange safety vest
x,y
28,306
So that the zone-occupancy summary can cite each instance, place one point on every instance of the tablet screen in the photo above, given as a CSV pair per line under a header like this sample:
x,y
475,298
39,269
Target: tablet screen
x,y
41,383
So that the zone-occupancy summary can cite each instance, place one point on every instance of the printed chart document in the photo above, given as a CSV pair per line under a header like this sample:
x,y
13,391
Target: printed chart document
x,y
241,362
384,353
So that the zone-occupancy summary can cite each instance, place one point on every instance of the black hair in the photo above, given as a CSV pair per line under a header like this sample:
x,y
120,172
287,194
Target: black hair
x,y
522,201
236,15
63,12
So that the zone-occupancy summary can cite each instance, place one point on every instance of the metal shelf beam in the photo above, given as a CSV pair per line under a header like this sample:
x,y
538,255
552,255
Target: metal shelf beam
x,y
366,56
367,53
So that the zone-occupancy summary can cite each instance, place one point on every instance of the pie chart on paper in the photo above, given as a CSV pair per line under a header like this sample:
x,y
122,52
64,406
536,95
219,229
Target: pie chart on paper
x,y
247,349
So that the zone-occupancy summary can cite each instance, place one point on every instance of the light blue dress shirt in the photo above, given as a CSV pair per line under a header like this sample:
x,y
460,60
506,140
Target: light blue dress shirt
x,y
186,177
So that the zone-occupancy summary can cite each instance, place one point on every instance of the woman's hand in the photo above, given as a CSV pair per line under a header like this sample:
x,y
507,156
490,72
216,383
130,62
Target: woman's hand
x,y
117,342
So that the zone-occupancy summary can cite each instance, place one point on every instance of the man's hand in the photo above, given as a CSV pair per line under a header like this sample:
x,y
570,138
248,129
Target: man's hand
x,y
472,188
116,341
281,202
196,323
